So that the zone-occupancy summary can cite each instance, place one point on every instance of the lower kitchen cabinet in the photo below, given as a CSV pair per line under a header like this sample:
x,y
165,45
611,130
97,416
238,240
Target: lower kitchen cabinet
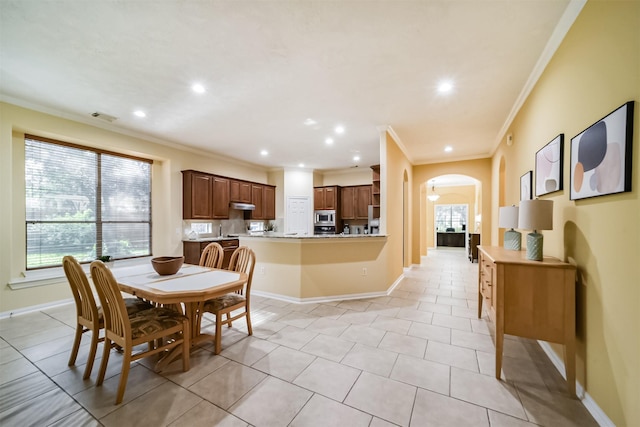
x,y
193,249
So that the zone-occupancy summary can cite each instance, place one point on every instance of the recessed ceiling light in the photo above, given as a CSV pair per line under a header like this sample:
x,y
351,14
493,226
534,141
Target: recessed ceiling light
x,y
328,141
140,113
445,86
264,153
300,165
198,88
448,149
339,129
310,122
356,158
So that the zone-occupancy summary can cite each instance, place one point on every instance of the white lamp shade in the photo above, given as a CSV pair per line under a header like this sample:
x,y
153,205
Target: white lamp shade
x,y
508,217
536,214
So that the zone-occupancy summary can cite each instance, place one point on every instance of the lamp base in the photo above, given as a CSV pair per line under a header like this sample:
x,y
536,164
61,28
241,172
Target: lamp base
x,y
534,246
512,240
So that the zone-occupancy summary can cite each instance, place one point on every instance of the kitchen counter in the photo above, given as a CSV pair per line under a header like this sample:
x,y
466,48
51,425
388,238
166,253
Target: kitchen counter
x,y
276,235
212,239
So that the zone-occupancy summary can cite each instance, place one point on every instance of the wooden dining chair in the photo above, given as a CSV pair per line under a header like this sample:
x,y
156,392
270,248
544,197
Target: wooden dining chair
x,y
88,314
150,326
243,260
212,256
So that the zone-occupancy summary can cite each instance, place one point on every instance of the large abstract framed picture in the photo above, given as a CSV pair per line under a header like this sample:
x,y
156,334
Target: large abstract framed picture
x,y
526,190
549,166
601,156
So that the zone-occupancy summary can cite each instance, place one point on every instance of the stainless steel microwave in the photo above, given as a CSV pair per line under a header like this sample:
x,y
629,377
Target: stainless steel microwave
x,y
325,217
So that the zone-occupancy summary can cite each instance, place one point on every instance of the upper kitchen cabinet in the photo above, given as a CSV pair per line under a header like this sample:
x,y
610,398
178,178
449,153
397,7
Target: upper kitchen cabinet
x,y
204,196
264,199
220,197
355,202
197,195
326,198
240,191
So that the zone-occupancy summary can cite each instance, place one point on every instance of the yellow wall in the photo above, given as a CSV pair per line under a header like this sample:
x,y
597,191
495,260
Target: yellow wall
x,y
169,160
595,70
422,213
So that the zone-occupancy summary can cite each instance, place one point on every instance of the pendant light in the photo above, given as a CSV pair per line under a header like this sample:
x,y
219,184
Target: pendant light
x,y
433,196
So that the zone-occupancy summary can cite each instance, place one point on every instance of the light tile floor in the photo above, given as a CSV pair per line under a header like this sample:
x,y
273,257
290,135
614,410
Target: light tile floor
x,y
416,357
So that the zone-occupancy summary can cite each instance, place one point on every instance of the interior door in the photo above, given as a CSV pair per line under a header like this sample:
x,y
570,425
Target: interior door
x,y
298,216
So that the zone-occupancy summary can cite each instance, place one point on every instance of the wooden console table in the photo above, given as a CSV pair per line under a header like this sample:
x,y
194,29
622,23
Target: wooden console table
x,y
531,299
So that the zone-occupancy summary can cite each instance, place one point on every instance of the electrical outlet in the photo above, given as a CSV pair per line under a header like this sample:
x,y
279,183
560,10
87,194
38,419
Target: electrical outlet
x,y
364,271
262,270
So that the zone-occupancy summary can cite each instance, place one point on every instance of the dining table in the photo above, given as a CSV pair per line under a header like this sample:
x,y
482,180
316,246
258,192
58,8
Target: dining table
x,y
190,287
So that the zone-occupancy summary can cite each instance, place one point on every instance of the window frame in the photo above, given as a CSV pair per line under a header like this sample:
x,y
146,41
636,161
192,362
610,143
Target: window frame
x,y
98,222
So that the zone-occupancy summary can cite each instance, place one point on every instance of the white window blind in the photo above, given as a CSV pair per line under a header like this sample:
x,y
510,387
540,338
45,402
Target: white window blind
x,y
84,202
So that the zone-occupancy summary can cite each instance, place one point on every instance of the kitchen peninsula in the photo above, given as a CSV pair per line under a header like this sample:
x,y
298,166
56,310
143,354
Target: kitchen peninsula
x,y
315,268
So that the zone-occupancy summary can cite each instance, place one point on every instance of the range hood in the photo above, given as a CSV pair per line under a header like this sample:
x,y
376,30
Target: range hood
x,y
242,206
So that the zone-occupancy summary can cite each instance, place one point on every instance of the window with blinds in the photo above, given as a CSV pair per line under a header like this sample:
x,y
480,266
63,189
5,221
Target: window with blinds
x,y
451,217
84,202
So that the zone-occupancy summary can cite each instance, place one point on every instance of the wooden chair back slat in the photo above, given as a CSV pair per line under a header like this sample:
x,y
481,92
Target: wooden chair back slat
x,y
212,256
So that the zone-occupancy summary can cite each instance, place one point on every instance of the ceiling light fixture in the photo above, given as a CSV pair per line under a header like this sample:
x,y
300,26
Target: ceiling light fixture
x,y
448,149
356,158
310,122
328,141
140,113
198,88
300,165
445,86
264,153
339,129
433,196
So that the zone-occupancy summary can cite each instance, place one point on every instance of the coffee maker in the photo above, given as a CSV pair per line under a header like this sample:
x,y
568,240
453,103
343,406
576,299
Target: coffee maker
x,y
374,223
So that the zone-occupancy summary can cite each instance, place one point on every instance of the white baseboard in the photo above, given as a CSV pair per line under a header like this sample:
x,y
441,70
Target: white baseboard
x,y
31,309
596,412
330,298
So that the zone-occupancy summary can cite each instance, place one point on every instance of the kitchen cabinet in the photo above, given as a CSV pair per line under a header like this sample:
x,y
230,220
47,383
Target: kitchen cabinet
x,y
355,202
192,250
239,191
197,195
375,190
220,197
326,198
530,299
264,199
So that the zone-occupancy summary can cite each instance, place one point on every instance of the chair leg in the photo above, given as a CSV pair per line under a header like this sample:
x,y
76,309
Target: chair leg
x,y
76,344
218,333
248,316
186,346
92,354
229,319
124,375
105,360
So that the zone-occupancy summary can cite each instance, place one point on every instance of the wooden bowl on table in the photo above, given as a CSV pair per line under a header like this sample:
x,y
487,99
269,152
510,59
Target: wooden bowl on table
x,y
167,265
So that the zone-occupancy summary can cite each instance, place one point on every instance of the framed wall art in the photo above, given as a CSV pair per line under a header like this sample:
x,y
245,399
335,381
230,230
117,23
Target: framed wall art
x,y
601,156
549,161
526,182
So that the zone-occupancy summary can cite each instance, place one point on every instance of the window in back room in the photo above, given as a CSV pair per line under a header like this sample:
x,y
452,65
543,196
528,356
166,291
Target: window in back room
x,y
84,202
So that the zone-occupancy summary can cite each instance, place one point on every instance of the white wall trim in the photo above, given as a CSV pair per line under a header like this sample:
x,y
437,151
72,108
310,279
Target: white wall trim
x,y
31,309
596,412
330,298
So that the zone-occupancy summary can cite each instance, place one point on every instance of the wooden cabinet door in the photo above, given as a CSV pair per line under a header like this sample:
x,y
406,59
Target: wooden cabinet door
x,y
257,193
197,195
330,198
269,202
220,197
348,209
363,200
318,198
239,191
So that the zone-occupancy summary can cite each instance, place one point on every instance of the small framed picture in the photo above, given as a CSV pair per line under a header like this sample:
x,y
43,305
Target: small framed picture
x,y
601,156
549,160
526,183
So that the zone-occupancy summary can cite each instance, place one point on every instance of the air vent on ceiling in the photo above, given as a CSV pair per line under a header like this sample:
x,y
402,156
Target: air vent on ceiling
x,y
103,116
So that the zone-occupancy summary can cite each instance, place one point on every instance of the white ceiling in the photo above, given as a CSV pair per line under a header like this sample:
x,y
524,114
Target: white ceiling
x,y
269,65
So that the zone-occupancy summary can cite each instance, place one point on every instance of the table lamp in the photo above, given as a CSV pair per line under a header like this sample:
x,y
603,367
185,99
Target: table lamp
x,y
535,215
508,218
